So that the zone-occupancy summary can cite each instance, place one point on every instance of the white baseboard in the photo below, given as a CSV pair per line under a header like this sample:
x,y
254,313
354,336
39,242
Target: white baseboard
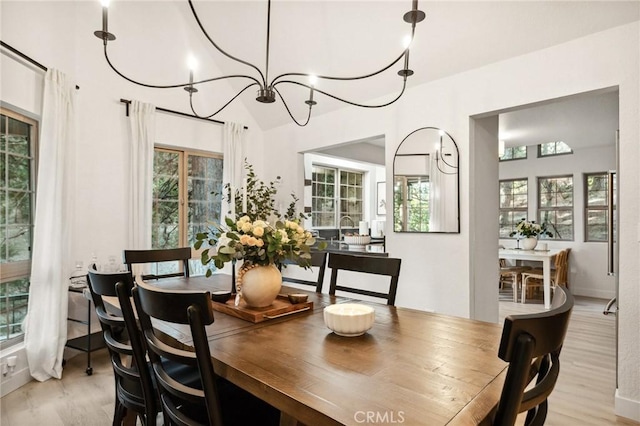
x,y
628,408
592,292
17,380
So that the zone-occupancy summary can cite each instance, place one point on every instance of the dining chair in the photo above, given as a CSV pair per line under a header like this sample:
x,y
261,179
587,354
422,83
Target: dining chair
x,y
511,275
134,387
318,260
210,400
377,265
535,277
182,254
531,344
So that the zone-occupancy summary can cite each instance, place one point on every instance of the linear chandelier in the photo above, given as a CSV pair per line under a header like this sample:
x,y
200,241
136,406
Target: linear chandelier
x,y
268,89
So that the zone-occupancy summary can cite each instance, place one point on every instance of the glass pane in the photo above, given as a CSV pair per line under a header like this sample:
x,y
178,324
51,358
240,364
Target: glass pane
x,y
547,148
3,132
597,225
19,172
18,242
204,187
14,297
562,148
520,152
18,208
3,247
520,201
18,137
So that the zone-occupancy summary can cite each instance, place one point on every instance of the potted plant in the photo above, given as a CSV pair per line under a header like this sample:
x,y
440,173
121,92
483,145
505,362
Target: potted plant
x,y
530,231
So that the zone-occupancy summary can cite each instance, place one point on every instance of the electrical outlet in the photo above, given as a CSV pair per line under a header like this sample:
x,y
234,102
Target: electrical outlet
x,y
4,368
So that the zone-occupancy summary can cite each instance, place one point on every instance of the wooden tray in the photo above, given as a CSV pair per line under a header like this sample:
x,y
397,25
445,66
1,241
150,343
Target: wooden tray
x,y
279,308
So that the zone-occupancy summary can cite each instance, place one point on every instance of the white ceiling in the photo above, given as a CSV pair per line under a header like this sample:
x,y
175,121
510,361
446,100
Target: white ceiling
x,y
350,38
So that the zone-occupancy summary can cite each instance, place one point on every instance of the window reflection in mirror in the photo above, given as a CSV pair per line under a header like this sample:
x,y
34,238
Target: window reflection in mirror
x,y
426,183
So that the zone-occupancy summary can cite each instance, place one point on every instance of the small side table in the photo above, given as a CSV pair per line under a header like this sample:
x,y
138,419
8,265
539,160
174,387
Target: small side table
x,y
90,341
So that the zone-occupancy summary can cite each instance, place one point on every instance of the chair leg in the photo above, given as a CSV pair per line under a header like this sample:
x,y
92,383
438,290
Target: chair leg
x,y
516,280
524,289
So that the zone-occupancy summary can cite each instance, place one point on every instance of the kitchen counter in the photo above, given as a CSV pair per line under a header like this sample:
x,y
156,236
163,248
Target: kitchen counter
x,y
368,250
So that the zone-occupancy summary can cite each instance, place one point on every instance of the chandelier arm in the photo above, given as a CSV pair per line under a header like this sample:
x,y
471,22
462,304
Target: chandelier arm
x,y
404,86
223,106
195,15
289,111
360,77
172,86
328,77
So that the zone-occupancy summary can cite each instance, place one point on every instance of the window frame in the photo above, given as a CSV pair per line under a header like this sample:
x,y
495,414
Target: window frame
x,y
337,183
18,270
588,208
183,181
511,148
555,149
501,210
540,209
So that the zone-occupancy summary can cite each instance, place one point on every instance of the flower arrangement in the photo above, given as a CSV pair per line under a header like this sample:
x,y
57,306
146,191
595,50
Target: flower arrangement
x,y
257,243
252,238
528,229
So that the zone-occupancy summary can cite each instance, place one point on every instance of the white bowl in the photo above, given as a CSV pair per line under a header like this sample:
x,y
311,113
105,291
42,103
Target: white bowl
x,y
349,319
357,240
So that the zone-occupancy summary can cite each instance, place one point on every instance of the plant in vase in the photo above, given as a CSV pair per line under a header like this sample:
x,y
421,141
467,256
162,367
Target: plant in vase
x,y
530,231
262,246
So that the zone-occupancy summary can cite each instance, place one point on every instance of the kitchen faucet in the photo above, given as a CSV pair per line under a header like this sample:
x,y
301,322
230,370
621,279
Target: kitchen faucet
x,y
353,224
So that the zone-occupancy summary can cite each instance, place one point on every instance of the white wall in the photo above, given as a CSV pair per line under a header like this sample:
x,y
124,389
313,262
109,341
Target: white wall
x,y
588,260
436,272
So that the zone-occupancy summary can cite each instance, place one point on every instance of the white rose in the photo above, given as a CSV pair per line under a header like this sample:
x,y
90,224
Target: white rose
x,y
258,231
246,227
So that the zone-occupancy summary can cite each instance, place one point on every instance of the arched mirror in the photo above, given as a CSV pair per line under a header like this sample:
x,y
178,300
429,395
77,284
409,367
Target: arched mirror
x,y
426,183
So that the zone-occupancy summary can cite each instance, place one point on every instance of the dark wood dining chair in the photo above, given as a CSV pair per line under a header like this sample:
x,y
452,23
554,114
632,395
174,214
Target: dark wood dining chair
x,y
318,260
531,345
134,388
367,264
211,400
182,255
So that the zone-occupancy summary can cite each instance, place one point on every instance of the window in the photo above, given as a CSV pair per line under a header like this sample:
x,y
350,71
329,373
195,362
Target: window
x,y
187,189
336,193
555,205
514,153
415,190
596,206
18,148
553,148
513,204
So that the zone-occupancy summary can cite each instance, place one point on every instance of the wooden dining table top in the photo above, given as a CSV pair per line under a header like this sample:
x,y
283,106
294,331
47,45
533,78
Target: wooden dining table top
x,y
412,367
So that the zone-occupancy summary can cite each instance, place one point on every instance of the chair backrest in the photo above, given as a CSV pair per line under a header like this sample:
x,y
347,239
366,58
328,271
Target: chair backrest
x,y
319,260
368,264
134,385
180,307
182,254
561,268
564,278
531,345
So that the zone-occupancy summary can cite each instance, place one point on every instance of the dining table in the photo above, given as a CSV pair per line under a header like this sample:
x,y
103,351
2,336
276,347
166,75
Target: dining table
x,y
544,256
412,367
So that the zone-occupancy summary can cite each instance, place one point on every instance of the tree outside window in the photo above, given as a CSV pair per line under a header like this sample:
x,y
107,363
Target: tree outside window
x,y
18,148
555,205
513,205
597,206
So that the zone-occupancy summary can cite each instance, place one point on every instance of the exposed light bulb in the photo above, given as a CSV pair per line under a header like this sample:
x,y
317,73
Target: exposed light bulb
x,y
313,80
192,63
105,3
406,41
441,132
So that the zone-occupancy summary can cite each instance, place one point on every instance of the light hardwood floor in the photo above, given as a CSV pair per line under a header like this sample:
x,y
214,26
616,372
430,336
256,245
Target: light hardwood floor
x,y
583,396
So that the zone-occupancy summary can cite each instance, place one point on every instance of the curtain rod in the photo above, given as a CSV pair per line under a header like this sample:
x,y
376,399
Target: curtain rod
x,y
26,58
184,114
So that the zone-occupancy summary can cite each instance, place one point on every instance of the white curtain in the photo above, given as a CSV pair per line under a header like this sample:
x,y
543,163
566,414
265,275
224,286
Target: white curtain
x,y
233,160
142,137
46,322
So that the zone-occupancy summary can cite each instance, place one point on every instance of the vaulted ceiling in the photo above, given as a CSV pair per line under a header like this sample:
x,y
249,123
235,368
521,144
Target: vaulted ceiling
x,y
346,38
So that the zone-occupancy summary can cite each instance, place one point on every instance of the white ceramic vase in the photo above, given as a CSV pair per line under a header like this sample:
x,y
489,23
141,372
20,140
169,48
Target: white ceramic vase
x,y
529,243
261,285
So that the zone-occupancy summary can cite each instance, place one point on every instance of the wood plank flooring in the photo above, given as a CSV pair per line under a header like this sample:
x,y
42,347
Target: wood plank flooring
x,y
583,396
